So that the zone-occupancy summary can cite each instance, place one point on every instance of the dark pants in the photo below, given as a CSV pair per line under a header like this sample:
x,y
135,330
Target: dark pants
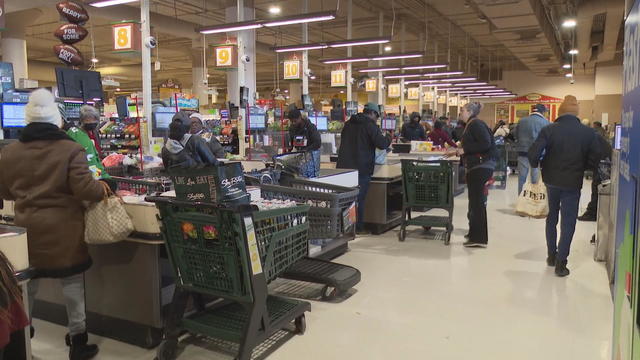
x,y
477,214
363,182
562,202
592,208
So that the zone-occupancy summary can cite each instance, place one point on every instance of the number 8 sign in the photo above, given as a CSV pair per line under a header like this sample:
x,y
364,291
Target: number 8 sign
x,y
126,37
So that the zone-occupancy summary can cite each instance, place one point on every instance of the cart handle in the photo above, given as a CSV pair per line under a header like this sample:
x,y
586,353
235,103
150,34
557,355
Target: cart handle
x,y
242,208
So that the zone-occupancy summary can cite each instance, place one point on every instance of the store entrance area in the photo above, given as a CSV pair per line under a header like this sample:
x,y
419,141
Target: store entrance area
x,y
422,300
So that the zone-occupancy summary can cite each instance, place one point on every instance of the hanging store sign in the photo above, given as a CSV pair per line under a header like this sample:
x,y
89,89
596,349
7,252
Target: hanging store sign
x,y
73,12
71,33
428,96
371,85
413,93
226,56
453,101
338,78
394,90
292,69
68,54
463,101
442,99
126,37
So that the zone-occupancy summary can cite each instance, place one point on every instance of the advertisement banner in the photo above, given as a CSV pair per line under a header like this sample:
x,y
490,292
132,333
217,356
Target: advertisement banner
x,y
371,85
338,78
413,93
292,69
394,90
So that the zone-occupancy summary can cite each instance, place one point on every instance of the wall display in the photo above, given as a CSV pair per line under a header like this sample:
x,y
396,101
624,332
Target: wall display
x,y
338,78
371,85
185,102
413,93
126,36
226,56
69,54
292,69
522,106
71,33
73,12
393,90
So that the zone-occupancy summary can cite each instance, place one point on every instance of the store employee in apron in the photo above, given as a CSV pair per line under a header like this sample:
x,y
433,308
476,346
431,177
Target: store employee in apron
x,y
305,137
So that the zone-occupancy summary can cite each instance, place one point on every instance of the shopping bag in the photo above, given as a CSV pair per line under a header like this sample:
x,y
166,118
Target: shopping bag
x,y
107,221
381,156
533,201
223,184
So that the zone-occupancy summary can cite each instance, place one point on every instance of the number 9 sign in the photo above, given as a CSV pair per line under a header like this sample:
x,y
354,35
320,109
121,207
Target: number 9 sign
x,y
224,56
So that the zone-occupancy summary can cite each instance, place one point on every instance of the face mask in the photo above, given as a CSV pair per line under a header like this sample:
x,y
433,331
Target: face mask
x,y
90,126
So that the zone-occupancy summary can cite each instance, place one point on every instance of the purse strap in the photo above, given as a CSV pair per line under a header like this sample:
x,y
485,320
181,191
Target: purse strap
x,y
107,190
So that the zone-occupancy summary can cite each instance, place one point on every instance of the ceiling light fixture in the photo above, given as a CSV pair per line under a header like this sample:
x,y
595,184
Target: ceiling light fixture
x,y
474,84
397,56
480,87
302,19
444,73
274,10
388,48
456,79
238,26
569,23
492,91
569,75
573,52
105,3
94,60
402,76
359,42
290,48
378,69
566,66
345,60
426,66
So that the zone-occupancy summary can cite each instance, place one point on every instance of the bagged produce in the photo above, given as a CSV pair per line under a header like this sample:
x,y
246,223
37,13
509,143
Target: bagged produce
x,y
533,200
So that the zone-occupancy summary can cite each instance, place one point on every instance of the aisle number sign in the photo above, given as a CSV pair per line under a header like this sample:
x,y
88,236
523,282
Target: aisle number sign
x,y
413,93
126,37
338,78
453,101
226,56
292,69
428,96
442,99
394,90
371,85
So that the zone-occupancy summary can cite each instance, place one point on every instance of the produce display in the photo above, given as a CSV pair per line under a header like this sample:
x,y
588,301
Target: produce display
x,y
336,126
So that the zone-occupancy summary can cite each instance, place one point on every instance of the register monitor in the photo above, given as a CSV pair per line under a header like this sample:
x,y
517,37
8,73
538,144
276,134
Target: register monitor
x,y
320,121
388,124
162,117
617,138
13,115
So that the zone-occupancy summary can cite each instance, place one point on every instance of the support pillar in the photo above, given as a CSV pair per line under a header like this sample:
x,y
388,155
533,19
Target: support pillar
x,y
199,85
349,50
14,44
380,50
295,93
305,53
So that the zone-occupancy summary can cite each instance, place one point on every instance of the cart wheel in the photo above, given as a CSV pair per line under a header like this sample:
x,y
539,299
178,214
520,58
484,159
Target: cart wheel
x,y
426,228
301,325
402,234
167,350
447,238
329,293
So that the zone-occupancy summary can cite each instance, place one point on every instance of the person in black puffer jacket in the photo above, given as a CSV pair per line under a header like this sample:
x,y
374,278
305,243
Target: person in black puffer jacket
x,y
184,150
413,130
565,149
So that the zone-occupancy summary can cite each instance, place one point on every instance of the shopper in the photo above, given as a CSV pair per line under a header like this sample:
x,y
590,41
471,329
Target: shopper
x,y
413,130
501,130
47,175
305,137
479,156
184,150
13,319
197,128
459,130
439,136
591,214
360,138
564,150
526,132
597,125
87,136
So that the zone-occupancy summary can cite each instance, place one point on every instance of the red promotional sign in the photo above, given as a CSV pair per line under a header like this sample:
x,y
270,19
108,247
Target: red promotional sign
x,y
534,98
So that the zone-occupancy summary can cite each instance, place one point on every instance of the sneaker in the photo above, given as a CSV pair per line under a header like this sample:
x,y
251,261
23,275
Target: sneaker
x,y
561,269
551,260
471,244
588,217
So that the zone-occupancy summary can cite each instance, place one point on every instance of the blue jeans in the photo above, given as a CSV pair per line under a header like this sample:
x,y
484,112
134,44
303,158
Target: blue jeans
x,y
523,172
311,168
563,202
363,182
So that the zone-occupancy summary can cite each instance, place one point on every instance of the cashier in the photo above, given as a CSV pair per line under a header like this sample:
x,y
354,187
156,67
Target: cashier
x,y
413,130
197,128
305,137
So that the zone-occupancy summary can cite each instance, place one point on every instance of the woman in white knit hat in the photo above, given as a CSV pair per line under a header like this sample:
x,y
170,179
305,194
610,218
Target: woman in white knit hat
x,y
47,175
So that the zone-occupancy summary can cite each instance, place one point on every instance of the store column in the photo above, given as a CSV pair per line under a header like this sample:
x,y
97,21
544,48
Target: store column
x,y
14,45
295,93
245,74
199,75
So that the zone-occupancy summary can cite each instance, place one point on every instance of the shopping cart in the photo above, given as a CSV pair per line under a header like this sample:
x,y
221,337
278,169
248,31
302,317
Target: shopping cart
x,y
143,186
427,185
231,254
501,172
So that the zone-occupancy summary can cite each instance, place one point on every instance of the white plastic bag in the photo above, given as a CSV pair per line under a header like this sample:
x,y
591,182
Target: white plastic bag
x,y
533,201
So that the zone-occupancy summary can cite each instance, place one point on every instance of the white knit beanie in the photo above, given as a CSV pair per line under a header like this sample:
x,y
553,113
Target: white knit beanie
x,y
42,108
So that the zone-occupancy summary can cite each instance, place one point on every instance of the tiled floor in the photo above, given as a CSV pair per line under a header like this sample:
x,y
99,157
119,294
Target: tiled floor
x,y
423,300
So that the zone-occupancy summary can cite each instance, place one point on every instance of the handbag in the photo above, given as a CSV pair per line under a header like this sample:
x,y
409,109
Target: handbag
x,y
533,201
107,221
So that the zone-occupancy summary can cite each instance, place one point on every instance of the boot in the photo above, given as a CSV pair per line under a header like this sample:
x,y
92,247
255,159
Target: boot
x,y
588,216
551,260
561,268
80,350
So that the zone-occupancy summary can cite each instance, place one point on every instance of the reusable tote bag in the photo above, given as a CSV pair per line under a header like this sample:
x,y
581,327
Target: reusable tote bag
x,y
533,200
107,221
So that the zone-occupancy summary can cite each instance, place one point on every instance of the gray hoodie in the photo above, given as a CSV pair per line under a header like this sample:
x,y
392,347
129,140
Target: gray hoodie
x,y
174,146
528,130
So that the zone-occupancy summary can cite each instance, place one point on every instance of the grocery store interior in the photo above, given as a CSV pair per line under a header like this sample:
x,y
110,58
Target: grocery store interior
x,y
328,179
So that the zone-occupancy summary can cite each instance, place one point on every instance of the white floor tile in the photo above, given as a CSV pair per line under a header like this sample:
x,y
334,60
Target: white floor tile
x,y
423,300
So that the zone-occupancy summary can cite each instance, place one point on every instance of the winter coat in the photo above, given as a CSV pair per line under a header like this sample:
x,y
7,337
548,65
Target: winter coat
x,y
358,142
310,132
413,131
478,141
191,151
93,155
47,175
214,145
565,149
439,137
502,131
527,131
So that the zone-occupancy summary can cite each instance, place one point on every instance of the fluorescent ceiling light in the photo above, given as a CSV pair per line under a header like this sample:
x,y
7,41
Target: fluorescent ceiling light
x,y
105,3
345,60
432,85
474,84
397,56
569,75
402,76
301,19
569,23
359,42
480,87
444,73
456,79
426,66
573,51
378,69
494,90
456,88
388,48
244,25
566,66
301,47
274,10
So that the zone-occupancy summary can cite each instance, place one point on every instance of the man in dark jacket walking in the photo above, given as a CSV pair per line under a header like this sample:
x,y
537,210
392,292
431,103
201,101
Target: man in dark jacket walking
x,y
359,140
566,148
